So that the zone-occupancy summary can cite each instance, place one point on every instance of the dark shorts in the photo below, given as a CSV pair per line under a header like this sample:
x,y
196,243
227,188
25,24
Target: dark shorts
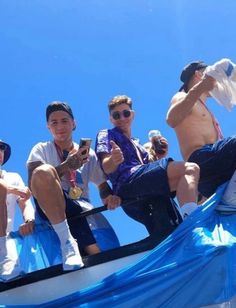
x,y
148,183
149,180
217,164
79,227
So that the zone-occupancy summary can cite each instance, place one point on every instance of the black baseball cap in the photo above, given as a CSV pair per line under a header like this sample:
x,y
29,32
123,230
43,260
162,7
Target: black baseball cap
x,y
58,106
7,151
189,71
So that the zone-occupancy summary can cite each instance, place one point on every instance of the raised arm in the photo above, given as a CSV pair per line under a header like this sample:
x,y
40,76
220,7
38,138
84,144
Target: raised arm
x,y
182,103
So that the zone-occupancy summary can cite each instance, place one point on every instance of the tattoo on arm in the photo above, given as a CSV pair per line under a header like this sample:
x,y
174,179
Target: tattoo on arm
x,y
62,169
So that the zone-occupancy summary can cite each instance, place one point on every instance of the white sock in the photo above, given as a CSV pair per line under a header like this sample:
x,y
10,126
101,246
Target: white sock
x,y
63,232
188,208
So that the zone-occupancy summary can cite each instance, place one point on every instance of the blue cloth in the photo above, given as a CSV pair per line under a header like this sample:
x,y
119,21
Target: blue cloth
x,y
195,266
217,164
42,248
131,161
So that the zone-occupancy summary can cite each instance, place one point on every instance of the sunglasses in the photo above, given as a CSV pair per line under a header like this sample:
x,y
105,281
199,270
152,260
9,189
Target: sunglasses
x,y
116,115
3,147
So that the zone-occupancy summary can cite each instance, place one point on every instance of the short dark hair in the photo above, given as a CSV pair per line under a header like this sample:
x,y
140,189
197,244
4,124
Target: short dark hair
x,y
188,72
58,106
119,100
7,151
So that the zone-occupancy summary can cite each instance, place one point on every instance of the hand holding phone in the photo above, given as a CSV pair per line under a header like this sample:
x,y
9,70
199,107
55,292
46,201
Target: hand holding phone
x,y
85,142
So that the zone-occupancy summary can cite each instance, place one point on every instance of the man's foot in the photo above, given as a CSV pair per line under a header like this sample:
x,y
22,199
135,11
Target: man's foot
x,y
71,256
10,269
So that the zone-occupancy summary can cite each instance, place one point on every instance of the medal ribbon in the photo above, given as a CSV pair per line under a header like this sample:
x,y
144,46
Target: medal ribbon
x,y
137,152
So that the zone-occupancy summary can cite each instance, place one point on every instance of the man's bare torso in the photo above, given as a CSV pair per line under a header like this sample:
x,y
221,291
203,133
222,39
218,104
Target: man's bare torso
x,y
196,130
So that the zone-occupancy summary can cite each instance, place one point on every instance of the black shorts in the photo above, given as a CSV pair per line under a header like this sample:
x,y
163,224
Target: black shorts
x,y
217,164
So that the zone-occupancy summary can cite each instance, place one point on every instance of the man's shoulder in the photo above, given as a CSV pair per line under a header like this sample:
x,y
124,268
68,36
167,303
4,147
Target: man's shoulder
x,y
8,175
178,96
43,144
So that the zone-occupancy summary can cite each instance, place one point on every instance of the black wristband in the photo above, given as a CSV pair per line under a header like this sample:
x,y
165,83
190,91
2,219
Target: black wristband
x,y
105,192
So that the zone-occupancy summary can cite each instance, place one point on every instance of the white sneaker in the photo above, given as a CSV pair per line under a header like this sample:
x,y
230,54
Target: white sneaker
x,y
71,256
10,269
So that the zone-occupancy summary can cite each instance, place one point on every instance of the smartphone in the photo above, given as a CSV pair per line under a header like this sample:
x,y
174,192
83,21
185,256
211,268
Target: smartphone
x,y
85,142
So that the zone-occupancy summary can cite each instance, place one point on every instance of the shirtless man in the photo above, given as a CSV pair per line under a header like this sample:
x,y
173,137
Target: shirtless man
x,y
198,132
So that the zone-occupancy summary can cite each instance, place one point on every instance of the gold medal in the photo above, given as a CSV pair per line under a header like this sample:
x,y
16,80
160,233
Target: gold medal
x,y
75,192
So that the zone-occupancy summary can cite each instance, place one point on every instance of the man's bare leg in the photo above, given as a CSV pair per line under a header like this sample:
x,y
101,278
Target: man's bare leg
x,y
183,178
46,188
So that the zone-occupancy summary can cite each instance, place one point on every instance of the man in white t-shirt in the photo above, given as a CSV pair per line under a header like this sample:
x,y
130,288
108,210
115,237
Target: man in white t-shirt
x,y
59,172
12,191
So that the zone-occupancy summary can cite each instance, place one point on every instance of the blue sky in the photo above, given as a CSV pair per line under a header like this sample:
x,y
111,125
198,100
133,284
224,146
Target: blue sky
x,y
85,52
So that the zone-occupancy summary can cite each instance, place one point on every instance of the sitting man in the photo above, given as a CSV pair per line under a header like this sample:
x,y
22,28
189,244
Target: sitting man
x,y
59,172
198,132
12,192
126,163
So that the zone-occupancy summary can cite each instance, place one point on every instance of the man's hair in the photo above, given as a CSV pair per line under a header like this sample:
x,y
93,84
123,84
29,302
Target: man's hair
x,y
119,100
188,73
58,106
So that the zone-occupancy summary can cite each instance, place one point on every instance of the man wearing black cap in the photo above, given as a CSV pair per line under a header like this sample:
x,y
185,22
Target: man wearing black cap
x,y
198,132
12,192
59,172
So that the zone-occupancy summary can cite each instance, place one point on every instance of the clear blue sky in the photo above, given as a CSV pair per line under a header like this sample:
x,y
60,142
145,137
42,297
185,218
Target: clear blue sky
x,y
85,52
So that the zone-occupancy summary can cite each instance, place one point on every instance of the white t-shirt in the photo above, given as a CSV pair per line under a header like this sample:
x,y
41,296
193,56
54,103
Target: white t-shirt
x,y
224,92
46,153
12,179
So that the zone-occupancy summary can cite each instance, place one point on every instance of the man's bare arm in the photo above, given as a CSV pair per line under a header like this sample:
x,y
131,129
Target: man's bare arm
x,y
107,163
27,210
28,213
106,194
111,161
182,103
72,162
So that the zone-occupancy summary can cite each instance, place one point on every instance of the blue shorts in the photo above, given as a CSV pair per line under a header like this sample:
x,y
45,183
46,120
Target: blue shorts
x,y
79,227
217,164
148,180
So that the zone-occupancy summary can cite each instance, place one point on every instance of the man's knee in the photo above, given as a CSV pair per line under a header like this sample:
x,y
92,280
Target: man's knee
x,y
192,169
43,175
